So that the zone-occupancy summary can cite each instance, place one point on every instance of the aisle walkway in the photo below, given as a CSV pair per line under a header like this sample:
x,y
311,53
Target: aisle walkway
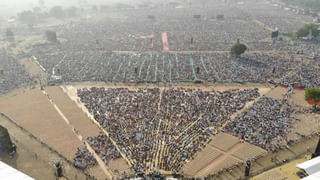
x,y
165,42
75,131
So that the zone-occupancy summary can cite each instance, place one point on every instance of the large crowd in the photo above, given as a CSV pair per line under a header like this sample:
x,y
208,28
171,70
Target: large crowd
x,y
266,124
12,74
84,159
167,68
307,77
160,128
102,146
163,128
87,49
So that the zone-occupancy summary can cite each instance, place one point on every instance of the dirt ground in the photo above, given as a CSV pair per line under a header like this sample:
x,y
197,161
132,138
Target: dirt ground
x,y
306,123
84,122
33,158
298,99
222,152
277,93
119,166
287,171
34,70
74,114
33,111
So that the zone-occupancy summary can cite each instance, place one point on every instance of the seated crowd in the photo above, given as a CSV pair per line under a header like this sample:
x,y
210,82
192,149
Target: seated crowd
x,y
160,129
266,124
84,159
12,74
167,68
307,77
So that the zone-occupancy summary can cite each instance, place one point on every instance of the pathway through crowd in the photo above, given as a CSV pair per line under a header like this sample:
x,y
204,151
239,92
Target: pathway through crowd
x,y
74,130
165,42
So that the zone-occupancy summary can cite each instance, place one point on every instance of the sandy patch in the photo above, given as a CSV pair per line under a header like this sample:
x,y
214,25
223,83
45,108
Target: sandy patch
x,y
33,111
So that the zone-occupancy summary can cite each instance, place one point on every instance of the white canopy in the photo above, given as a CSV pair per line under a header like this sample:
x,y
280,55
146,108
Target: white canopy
x,y
310,167
315,176
9,173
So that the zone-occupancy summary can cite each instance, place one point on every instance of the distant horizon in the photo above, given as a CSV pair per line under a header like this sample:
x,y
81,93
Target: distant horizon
x,y
10,8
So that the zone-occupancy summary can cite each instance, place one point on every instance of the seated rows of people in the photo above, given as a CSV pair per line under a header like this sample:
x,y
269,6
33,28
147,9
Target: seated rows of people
x,y
266,124
218,67
257,67
276,17
161,129
103,147
12,74
125,34
307,77
84,159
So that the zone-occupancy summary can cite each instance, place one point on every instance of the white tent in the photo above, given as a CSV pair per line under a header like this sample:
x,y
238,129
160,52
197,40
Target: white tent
x,y
315,176
310,167
9,173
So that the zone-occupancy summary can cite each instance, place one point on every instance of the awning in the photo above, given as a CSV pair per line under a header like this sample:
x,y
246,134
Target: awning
x,y
315,176
310,167
9,173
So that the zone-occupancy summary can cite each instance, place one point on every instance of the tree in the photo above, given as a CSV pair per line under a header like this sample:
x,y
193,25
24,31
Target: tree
x,y
27,17
313,95
57,12
305,30
238,49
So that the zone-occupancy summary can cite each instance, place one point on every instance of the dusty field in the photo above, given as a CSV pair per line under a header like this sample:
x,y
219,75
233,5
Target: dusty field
x,y
306,124
223,151
119,166
80,120
272,175
202,159
298,99
287,171
277,93
33,111
224,141
33,158
74,114
34,70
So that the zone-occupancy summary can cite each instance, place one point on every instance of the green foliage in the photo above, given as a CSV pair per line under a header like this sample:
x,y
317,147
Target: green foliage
x,y
27,17
290,35
238,49
304,31
312,94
